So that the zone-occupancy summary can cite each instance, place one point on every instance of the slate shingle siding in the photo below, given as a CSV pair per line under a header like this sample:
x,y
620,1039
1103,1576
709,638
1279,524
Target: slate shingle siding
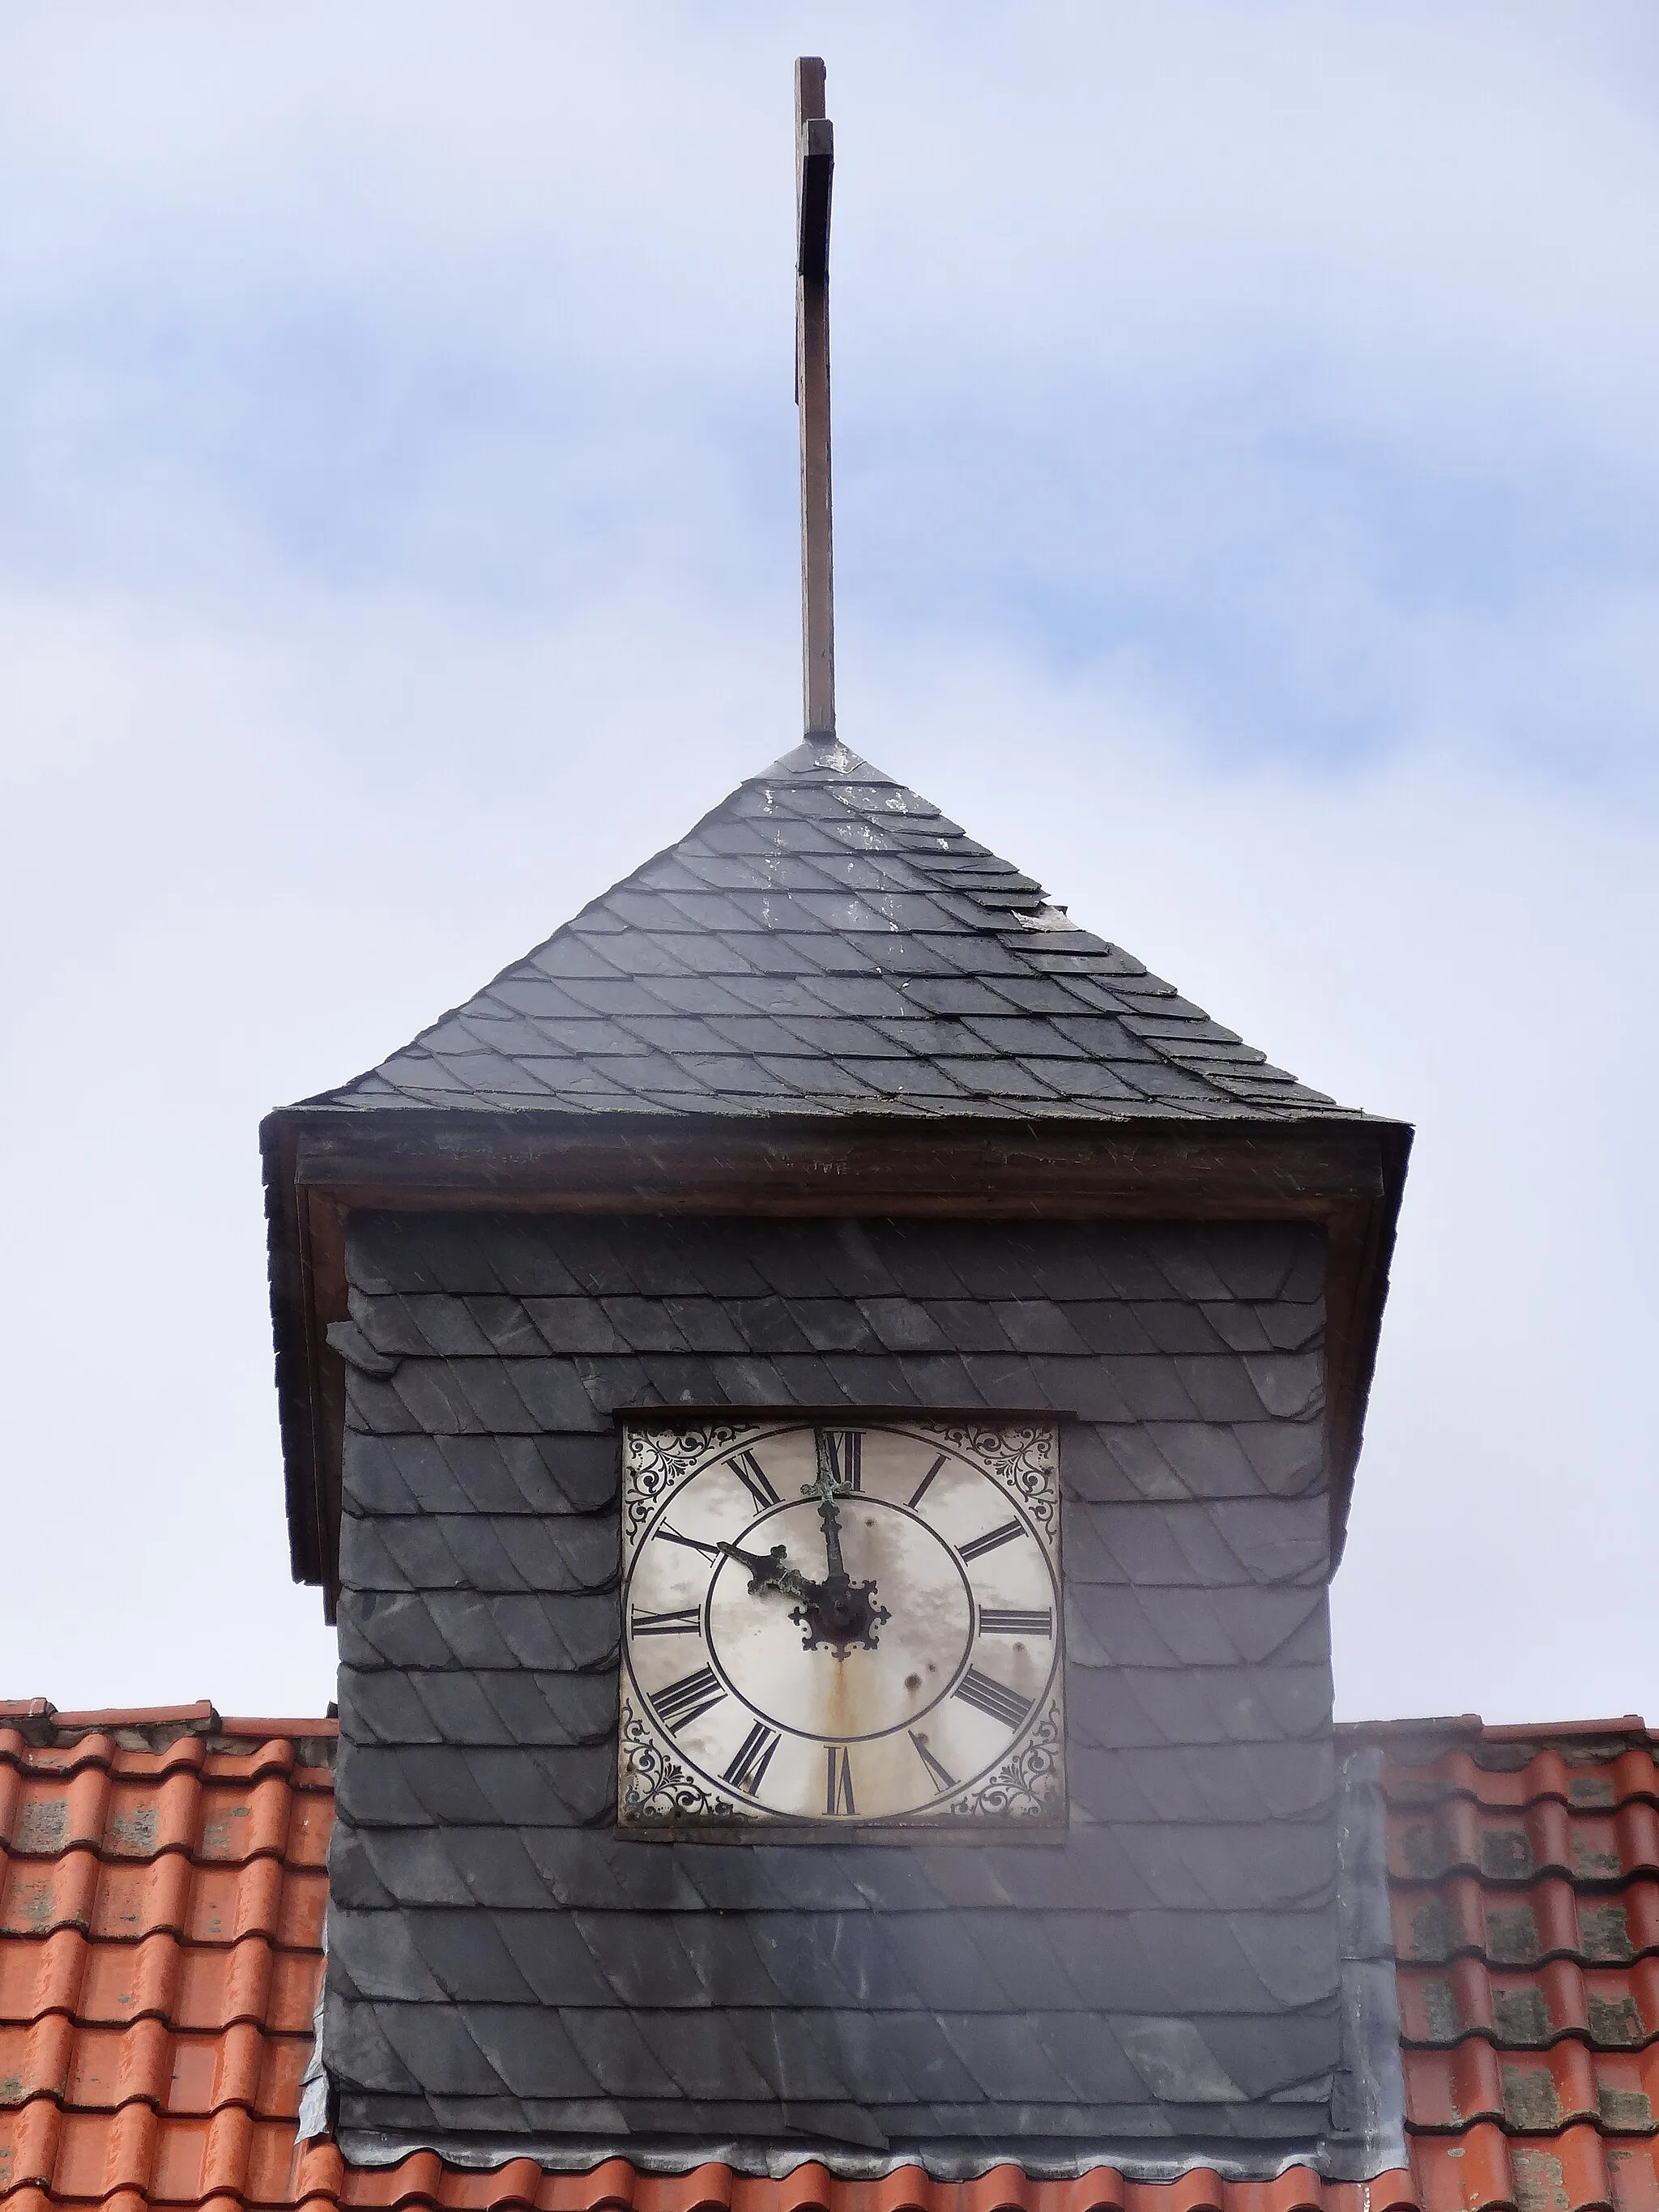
x,y
503,1964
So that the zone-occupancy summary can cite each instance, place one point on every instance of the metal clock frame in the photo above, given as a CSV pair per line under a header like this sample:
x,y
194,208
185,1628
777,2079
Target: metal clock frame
x,y
662,1796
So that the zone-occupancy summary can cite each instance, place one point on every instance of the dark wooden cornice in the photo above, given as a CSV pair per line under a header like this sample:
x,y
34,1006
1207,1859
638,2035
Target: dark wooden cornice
x,y
322,1163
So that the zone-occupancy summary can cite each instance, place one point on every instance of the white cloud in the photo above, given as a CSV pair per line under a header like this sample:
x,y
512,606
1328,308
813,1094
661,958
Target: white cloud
x,y
1247,521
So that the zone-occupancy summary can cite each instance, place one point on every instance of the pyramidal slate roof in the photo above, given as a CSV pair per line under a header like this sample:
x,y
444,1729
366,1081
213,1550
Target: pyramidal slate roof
x,y
827,942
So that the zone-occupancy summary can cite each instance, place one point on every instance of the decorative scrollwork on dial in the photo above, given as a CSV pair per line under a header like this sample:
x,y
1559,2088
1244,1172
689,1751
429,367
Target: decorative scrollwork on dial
x,y
656,1787
1021,1456
659,1460
1031,1784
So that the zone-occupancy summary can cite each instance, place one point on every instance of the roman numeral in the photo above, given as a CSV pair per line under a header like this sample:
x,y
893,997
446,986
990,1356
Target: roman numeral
x,y
685,1700
1002,1702
686,1621
838,1779
920,1490
752,1475
941,1776
748,1770
845,1447
992,1540
1010,1620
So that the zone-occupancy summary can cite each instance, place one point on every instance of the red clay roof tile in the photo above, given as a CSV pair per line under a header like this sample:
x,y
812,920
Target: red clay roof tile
x,y
160,1922
162,1898
1526,1917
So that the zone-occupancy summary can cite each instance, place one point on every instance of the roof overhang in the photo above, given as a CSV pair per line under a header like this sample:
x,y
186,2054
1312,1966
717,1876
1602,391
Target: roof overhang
x,y
322,1163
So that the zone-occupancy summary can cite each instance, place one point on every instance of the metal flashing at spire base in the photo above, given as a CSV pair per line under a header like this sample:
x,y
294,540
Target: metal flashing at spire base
x,y
1028,2161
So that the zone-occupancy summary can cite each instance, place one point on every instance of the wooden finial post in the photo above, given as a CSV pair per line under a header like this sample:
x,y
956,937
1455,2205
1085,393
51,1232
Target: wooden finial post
x,y
815,161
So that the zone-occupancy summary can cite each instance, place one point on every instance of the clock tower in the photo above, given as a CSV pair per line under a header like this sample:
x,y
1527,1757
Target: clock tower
x,y
824,1402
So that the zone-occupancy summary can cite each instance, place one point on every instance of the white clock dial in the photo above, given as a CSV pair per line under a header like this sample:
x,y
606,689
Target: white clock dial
x,y
849,1624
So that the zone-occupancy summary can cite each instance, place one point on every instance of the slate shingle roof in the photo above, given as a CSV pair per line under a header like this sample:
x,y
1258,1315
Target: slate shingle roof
x,y
825,941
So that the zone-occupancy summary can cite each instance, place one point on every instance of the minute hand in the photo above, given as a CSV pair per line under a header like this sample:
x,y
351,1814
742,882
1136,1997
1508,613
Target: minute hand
x,y
828,1489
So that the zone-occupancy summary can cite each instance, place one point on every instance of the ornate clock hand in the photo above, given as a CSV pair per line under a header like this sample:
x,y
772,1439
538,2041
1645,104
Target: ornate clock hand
x,y
772,1572
837,1613
827,1488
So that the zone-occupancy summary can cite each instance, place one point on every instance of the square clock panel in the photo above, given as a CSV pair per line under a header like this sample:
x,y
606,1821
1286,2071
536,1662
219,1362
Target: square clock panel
x,y
835,1627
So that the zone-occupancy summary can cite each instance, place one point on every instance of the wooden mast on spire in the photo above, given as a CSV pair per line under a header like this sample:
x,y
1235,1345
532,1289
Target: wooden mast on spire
x,y
815,161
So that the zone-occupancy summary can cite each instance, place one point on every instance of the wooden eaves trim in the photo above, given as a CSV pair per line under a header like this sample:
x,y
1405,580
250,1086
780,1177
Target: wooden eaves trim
x,y
321,1163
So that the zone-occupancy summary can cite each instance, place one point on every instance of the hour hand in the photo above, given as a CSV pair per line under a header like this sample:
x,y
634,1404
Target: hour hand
x,y
774,1572
771,1572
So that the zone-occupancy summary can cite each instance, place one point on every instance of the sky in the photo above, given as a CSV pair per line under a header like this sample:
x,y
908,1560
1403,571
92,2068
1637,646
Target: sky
x,y
1247,520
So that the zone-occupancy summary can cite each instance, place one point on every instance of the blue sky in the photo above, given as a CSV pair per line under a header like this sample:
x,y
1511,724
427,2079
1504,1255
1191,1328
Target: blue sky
x,y
1248,518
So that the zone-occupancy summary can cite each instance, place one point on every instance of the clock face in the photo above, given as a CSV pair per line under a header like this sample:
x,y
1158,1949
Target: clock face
x,y
849,1625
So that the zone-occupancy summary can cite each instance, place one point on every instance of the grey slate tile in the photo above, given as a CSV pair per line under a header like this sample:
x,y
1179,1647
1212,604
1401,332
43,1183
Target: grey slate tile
x,y
907,2048
639,1959
621,2059
353,1880
812,1881
723,1954
705,2068
797,2062
1023,1955
1297,2055
526,991
1231,1784
574,1324
771,1324
1210,1460
374,1478
361,2050
806,1379
900,1326
380,1956
941,1379
968,1324
498,1866
552,1711
421,1474
942,1963
1037,1325
597,1871
870,997
412,1866
1113,1325
478,1958
801,1955
538,2052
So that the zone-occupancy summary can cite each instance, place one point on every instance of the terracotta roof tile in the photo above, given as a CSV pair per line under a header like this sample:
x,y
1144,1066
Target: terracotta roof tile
x,y
164,1888
162,1883
1523,1868
163,1897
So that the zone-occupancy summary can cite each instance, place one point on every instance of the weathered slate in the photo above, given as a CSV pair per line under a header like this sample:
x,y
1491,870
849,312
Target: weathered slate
x,y
1165,1981
826,941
